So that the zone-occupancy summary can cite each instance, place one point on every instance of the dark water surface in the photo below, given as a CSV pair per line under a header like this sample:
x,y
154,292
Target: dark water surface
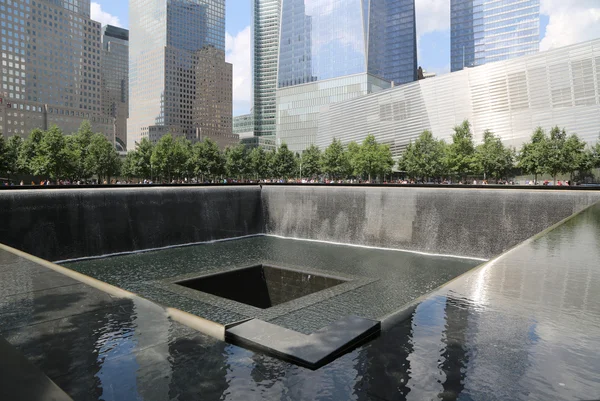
x,y
379,282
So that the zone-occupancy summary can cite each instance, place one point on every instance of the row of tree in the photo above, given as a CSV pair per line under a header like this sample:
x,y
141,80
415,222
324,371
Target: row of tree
x,y
80,156
557,153
56,156
177,158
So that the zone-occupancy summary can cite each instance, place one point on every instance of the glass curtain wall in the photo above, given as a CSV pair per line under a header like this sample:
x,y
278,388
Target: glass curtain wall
x,y
484,31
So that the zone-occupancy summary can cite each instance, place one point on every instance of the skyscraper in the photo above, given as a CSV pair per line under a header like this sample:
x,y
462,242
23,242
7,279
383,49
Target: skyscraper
x,y
166,37
265,50
115,80
330,51
51,66
483,31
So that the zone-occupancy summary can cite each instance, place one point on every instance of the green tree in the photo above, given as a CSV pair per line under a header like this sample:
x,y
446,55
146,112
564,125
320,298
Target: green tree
x,y
235,161
182,151
128,166
595,150
310,162
163,157
575,155
215,160
52,158
13,148
102,158
352,152
531,158
424,158
141,164
3,155
460,155
79,145
285,162
373,159
335,162
556,161
492,157
270,163
29,151
257,163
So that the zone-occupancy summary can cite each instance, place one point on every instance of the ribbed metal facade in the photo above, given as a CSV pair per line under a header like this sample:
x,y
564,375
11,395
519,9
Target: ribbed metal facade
x,y
511,98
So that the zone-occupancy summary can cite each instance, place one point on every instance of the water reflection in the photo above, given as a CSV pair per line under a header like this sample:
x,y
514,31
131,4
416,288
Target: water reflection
x,y
526,327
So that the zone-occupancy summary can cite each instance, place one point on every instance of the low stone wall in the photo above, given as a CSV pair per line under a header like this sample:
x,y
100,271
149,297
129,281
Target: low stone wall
x,y
58,224
467,222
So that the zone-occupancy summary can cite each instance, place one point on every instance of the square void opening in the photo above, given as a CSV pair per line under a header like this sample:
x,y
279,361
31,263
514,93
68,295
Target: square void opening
x,y
261,286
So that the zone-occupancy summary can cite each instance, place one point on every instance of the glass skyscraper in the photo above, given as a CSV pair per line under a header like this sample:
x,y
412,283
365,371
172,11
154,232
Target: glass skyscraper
x,y
115,80
334,50
265,37
324,39
484,31
166,37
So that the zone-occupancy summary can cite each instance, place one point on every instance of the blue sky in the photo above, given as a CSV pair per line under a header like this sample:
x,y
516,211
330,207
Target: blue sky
x,y
563,22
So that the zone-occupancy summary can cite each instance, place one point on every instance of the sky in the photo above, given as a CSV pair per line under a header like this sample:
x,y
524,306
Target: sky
x,y
563,22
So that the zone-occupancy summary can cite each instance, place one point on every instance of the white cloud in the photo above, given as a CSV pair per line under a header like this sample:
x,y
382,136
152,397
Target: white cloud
x,y
102,16
570,21
238,51
432,15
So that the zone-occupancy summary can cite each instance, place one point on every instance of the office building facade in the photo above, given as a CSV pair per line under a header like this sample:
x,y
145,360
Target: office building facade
x,y
115,80
511,98
243,125
213,102
330,51
166,39
265,51
484,31
51,67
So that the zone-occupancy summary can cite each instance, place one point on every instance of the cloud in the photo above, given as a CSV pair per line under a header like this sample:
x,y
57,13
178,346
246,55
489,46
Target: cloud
x,y
570,21
237,52
102,16
432,15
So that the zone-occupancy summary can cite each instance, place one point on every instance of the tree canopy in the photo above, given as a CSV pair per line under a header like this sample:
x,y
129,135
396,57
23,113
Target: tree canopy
x,y
424,158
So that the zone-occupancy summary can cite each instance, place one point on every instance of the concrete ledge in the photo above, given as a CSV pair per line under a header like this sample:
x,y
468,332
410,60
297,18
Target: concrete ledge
x,y
21,380
311,351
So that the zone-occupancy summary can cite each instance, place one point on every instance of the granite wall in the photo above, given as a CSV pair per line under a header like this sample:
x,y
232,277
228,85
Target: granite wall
x,y
467,222
58,224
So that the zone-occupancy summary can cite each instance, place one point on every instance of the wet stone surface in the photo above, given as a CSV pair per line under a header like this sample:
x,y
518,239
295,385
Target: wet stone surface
x,y
378,282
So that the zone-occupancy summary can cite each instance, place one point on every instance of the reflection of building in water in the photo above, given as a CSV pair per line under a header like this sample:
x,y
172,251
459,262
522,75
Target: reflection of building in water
x,y
331,51
455,354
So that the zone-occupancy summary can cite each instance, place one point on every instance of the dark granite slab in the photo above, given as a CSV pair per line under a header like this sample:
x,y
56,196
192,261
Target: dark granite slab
x,y
22,381
311,351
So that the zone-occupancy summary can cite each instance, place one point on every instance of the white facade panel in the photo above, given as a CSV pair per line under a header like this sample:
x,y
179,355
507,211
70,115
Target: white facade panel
x,y
511,98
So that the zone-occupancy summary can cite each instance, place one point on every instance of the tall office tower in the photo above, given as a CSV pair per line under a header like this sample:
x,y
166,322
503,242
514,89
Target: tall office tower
x,y
330,51
484,31
265,37
213,103
165,38
51,61
115,80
